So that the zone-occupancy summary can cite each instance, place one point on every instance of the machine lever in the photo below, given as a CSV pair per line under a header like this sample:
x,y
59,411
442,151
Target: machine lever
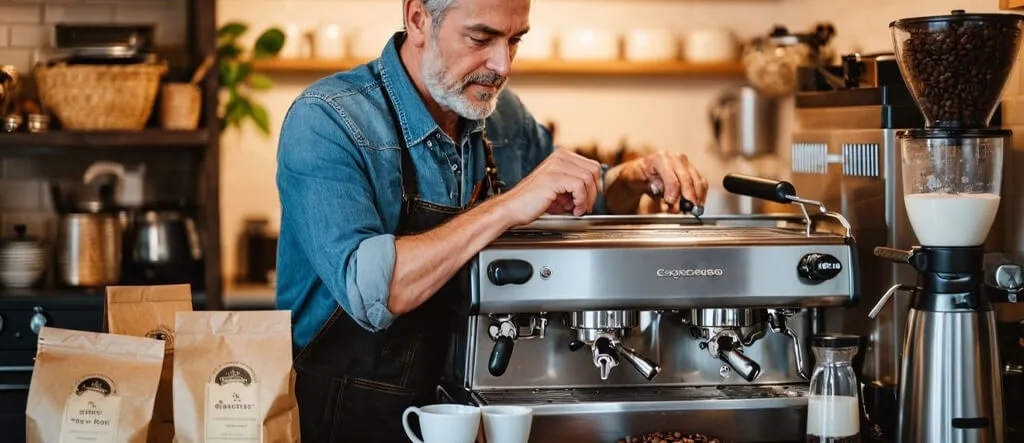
x,y
728,351
645,366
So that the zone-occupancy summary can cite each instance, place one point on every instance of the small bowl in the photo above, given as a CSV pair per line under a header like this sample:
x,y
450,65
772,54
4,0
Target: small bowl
x,y
38,123
12,122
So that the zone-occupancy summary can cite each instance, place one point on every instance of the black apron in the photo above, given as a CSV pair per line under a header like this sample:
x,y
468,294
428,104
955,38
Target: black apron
x,y
353,385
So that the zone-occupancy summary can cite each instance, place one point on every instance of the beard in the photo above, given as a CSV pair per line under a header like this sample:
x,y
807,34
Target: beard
x,y
450,93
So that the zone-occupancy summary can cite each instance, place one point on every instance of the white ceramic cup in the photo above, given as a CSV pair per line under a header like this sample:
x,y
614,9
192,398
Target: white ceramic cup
x,y
444,423
507,424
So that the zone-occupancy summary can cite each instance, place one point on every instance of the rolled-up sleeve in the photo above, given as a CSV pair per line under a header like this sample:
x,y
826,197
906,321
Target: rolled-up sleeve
x,y
327,200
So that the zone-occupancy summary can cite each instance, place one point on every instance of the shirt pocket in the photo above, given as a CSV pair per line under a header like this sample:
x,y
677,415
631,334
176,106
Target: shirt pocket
x,y
508,154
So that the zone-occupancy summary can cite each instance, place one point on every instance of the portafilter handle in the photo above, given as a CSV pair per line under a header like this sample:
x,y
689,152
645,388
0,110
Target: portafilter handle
x,y
728,352
645,366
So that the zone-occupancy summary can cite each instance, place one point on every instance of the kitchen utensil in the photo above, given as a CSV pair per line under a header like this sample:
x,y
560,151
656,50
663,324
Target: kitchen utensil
x,y
744,123
712,45
162,237
22,260
833,407
129,186
771,62
202,70
89,249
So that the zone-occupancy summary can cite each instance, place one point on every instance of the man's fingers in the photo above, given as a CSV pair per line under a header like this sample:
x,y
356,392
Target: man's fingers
x,y
686,180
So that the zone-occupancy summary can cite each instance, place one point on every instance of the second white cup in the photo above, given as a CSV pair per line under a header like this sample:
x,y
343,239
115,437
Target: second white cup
x,y
507,424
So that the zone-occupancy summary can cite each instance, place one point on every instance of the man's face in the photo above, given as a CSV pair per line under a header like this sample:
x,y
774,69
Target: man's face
x,y
467,61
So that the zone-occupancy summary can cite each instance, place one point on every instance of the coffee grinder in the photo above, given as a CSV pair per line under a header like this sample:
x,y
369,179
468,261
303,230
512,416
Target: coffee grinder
x,y
955,66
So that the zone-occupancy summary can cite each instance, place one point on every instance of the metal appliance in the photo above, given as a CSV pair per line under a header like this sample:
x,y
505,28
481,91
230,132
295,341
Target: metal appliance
x,y
744,123
610,326
950,384
163,246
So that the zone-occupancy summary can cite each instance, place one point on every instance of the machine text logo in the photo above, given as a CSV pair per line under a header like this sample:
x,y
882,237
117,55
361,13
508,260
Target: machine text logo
x,y
692,272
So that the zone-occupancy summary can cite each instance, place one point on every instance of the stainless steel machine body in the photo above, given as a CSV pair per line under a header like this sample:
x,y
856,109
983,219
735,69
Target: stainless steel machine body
x,y
619,325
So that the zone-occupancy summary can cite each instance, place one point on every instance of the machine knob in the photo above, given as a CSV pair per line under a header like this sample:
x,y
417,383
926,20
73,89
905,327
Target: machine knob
x,y
37,321
819,267
504,272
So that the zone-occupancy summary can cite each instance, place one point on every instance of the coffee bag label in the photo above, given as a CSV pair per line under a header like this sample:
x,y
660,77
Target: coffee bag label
x,y
233,412
91,412
165,333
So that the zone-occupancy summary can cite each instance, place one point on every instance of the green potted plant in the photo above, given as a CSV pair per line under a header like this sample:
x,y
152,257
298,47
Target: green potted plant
x,y
234,65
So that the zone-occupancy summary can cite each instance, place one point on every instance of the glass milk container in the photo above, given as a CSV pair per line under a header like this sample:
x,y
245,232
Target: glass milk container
x,y
833,405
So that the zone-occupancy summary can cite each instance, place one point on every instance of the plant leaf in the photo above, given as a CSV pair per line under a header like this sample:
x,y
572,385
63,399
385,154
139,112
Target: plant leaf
x,y
260,117
232,29
260,82
237,109
269,44
231,73
229,51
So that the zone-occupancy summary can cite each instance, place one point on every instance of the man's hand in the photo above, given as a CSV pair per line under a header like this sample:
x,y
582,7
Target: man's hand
x,y
565,182
666,175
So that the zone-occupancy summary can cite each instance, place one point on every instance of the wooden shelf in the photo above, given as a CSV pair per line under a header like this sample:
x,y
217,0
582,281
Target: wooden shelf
x,y
106,139
554,67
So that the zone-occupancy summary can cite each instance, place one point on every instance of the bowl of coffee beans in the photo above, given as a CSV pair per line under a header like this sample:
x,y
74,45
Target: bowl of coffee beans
x,y
669,437
956,66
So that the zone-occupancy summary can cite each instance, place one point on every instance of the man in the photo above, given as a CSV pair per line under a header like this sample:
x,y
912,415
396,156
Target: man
x,y
392,176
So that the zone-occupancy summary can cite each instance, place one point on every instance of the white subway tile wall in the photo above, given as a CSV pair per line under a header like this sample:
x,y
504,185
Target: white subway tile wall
x,y
27,25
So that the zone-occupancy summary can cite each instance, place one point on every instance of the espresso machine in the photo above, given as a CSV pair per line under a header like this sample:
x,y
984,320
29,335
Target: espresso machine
x,y
615,326
955,67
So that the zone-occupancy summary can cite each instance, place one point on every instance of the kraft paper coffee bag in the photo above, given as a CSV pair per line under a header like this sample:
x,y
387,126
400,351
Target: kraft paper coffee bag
x,y
149,311
233,379
91,387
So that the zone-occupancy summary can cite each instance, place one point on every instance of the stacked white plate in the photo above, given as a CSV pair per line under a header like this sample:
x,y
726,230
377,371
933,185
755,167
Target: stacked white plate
x,y
22,263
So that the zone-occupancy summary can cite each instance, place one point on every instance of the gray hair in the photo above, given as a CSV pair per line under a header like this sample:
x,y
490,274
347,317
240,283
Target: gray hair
x,y
437,9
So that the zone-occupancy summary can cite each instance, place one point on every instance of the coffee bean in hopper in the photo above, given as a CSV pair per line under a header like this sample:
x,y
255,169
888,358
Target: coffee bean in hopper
x,y
958,72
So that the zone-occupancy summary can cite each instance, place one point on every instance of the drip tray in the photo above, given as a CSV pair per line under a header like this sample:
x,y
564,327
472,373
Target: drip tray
x,y
775,413
683,397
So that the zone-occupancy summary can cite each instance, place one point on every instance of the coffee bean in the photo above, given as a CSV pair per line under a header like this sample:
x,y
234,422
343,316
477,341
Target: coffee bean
x,y
957,72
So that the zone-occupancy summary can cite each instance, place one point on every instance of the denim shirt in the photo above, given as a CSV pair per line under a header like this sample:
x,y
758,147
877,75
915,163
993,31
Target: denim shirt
x,y
340,184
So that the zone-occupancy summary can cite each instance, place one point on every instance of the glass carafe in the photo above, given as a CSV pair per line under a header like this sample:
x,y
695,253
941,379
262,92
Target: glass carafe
x,y
833,405
951,184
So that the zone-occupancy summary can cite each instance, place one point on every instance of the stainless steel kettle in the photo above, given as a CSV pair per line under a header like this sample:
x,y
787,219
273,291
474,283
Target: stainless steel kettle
x,y
164,237
744,123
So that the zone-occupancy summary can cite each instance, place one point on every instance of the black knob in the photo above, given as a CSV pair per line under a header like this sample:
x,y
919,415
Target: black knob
x,y
576,345
500,356
504,272
819,267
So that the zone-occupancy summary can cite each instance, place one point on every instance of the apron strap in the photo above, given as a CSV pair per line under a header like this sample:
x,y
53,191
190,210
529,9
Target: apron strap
x,y
410,190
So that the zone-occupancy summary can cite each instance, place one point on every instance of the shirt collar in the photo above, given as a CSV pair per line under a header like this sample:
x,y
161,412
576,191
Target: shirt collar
x,y
413,117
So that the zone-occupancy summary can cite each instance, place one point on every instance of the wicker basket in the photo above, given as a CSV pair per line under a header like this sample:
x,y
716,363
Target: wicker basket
x,y
100,97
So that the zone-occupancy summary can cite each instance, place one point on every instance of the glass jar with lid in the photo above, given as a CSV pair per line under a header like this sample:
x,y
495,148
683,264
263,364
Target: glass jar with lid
x,y
833,404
